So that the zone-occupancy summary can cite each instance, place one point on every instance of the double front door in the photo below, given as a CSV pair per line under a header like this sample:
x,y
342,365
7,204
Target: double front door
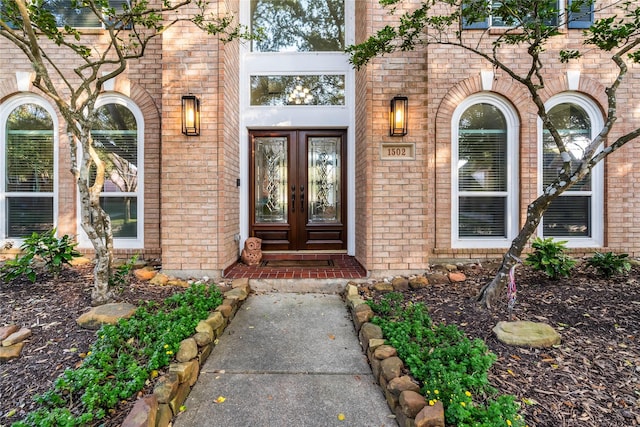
x,y
297,189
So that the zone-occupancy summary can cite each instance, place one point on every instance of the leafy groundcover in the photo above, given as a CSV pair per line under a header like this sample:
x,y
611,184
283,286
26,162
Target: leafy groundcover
x,y
124,358
450,367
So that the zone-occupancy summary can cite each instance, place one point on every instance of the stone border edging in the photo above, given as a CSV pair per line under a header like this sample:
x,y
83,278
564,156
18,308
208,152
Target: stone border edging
x,y
171,389
401,391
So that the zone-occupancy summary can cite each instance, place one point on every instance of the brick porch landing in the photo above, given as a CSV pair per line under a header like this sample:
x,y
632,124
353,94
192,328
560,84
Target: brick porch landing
x,y
344,267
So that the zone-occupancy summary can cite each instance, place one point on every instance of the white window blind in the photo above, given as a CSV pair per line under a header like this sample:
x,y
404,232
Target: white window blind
x,y
29,175
570,214
482,172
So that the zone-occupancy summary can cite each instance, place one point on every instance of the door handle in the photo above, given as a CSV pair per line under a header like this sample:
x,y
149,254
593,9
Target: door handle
x,y
302,198
293,198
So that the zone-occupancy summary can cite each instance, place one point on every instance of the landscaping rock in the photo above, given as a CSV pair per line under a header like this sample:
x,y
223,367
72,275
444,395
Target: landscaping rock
x,y
203,338
367,332
106,314
399,384
391,368
177,282
418,282
146,273
524,333
384,352
143,413
186,371
238,294
438,279
16,337
179,398
188,350
457,276
166,387
11,352
400,284
431,416
5,331
159,279
411,403
383,287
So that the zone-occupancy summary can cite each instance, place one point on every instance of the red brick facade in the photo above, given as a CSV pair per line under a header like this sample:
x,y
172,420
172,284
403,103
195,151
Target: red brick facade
x,y
402,208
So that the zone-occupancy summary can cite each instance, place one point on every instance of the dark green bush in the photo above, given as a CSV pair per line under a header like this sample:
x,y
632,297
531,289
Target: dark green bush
x,y
54,252
548,256
609,264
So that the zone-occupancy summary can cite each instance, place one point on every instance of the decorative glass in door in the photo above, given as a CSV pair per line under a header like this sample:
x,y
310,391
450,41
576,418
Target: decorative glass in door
x,y
270,180
324,179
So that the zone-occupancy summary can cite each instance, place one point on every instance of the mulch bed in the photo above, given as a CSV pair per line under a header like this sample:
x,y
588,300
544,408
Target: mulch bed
x,y
591,379
50,309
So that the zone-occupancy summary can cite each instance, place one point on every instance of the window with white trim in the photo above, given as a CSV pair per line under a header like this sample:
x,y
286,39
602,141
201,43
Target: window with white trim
x,y
484,173
578,14
28,184
576,215
118,138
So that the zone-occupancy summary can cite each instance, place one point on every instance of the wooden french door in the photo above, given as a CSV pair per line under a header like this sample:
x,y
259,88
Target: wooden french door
x,y
297,197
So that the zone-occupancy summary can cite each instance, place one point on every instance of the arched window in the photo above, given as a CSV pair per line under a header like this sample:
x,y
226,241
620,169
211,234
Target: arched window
x,y
118,138
28,161
484,173
575,216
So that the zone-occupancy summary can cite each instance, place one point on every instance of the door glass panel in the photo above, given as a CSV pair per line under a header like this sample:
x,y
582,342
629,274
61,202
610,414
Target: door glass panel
x,y
324,180
271,179
298,25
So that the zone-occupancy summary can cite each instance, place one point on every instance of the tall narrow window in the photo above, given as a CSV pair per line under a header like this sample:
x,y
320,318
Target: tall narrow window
x,y
28,182
117,137
577,214
484,202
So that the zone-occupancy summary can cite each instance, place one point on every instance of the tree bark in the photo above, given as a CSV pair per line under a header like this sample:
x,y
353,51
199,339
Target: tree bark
x,y
491,292
94,220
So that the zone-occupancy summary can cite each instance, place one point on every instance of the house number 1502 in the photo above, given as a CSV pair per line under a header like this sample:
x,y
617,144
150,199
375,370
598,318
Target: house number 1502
x,y
397,151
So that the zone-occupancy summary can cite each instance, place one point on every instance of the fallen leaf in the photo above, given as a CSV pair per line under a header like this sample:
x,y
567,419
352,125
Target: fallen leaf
x,y
220,399
341,417
332,337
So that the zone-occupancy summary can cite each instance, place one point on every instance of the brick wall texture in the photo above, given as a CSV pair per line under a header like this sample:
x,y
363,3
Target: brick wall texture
x,y
402,207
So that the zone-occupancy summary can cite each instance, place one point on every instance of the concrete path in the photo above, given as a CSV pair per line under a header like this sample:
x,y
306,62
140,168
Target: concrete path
x,y
287,360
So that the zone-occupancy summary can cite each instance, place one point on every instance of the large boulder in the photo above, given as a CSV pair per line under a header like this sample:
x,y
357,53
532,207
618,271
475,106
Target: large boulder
x,y
524,333
106,314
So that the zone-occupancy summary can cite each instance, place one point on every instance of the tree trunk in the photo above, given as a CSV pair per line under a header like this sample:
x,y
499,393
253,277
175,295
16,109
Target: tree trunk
x,y
95,221
490,293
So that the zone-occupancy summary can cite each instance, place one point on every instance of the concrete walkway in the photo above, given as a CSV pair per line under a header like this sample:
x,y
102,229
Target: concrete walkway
x,y
287,360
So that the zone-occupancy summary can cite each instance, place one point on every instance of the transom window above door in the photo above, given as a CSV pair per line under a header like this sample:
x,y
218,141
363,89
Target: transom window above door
x,y
299,26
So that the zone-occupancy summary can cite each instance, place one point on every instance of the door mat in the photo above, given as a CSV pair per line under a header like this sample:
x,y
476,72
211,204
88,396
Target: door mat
x,y
298,263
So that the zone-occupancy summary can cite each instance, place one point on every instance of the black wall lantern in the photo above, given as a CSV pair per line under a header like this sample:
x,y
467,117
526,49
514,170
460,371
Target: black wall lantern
x,y
398,116
190,115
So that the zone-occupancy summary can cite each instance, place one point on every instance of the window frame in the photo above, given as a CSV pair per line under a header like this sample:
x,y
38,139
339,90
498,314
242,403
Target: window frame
x,y
564,18
123,242
597,173
117,6
512,168
6,108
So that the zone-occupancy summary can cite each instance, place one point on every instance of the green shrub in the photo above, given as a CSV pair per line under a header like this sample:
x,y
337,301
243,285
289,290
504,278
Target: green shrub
x,y
121,273
451,367
549,257
609,264
123,358
54,252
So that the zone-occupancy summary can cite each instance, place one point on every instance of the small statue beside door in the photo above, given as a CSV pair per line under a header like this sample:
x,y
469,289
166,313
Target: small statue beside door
x,y
252,252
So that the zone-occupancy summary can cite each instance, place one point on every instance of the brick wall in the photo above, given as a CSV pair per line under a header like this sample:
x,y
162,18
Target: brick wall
x,y
405,211
143,88
200,200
